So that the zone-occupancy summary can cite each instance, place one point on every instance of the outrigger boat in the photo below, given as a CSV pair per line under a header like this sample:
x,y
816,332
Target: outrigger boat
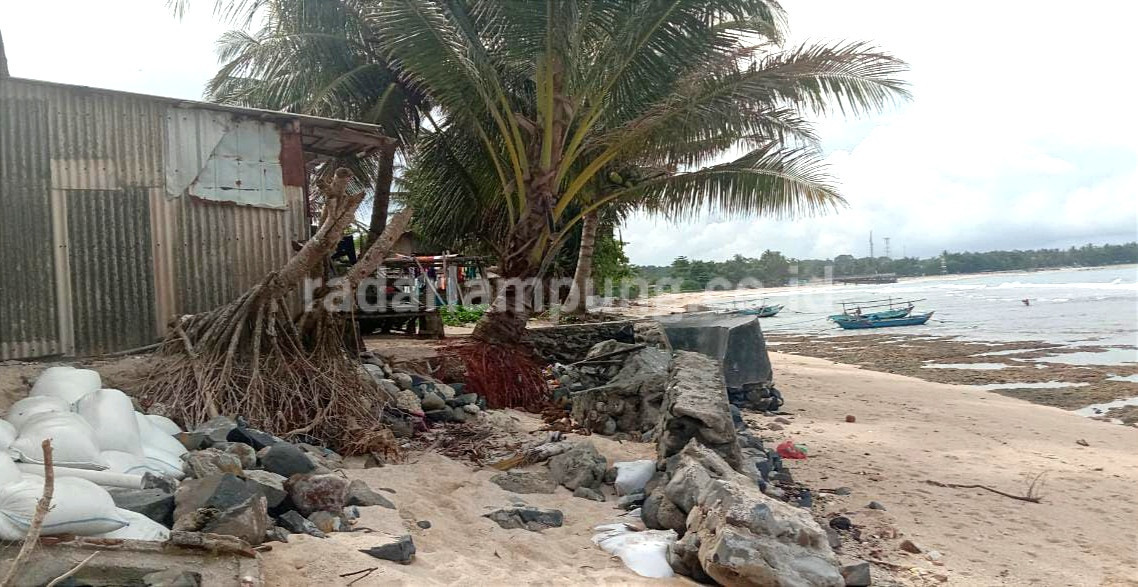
x,y
865,322
763,311
855,310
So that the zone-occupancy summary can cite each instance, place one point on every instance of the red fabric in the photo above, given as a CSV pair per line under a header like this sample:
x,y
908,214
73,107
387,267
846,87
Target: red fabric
x,y
787,450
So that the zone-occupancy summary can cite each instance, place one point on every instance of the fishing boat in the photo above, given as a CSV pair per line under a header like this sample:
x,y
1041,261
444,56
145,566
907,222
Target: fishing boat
x,y
858,323
888,311
763,311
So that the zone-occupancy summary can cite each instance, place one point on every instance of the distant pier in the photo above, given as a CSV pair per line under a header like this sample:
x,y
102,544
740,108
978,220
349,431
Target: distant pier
x,y
863,279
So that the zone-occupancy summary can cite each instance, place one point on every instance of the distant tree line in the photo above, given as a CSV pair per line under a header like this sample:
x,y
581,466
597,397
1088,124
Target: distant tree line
x,y
773,269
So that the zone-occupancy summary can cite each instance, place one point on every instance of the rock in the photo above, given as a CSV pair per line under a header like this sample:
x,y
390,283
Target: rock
x,y
403,380
253,437
529,518
471,409
588,493
628,400
276,534
683,556
244,453
857,575
193,440
851,419
875,505
660,513
285,460
210,461
630,501
445,390
222,504
164,483
840,523
909,546
389,387
695,407
359,494
217,429
782,420
423,524
156,504
466,399
270,485
1082,442
458,414
934,555
842,491
773,427
432,401
439,416
524,482
172,578
326,522
407,401
316,493
298,524
610,475
399,549
833,538
351,512
580,466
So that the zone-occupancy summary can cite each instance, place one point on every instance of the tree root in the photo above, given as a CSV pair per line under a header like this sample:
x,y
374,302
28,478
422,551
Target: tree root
x,y
505,374
1031,497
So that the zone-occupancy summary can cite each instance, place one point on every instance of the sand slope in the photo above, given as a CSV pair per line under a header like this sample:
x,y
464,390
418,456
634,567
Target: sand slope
x,y
907,431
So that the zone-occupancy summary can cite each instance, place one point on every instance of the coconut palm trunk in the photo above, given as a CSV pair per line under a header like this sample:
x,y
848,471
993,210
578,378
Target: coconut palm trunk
x,y
384,176
577,303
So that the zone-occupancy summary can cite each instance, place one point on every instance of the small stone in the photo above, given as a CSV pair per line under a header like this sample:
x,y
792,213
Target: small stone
x,y
407,401
172,578
875,505
217,429
276,534
374,461
782,420
524,482
610,475
193,440
774,427
1082,442
432,401
400,549
529,518
471,409
285,460
909,546
424,524
842,491
840,523
445,390
270,484
244,453
439,416
326,522
403,380
805,499
315,493
630,501
253,437
588,493
458,414
466,399
155,504
359,494
851,419
833,538
934,555
351,512
775,492
210,461
857,575
298,524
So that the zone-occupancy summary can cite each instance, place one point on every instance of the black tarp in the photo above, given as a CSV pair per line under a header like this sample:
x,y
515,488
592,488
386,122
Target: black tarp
x,y
736,340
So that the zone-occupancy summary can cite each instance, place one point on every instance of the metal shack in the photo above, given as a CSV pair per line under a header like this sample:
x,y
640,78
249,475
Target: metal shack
x,y
119,211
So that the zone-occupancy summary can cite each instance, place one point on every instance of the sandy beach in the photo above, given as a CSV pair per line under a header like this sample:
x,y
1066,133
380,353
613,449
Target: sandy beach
x,y
907,431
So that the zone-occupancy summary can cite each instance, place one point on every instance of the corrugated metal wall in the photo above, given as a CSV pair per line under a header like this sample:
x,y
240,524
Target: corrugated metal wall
x,y
96,257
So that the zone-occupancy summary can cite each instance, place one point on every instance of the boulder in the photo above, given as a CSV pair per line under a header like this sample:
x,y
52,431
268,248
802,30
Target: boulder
x,y
630,400
588,493
407,401
210,461
222,504
432,401
253,437
276,534
525,482
193,440
326,522
695,407
580,466
630,501
399,549
857,575
244,453
529,518
217,429
316,493
298,524
285,460
270,485
403,380
156,504
359,494
466,399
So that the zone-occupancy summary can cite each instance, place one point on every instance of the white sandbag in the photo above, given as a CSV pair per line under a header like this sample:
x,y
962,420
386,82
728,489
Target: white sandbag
x,y
73,441
139,528
644,553
9,473
164,424
100,478
125,462
8,433
78,507
111,413
67,383
153,438
163,463
632,476
30,406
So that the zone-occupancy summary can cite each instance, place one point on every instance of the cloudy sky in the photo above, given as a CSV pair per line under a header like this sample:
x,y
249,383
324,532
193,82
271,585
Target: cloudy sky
x,y
1022,132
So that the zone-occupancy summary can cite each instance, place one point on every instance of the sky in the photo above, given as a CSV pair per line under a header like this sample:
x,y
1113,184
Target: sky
x,y
1021,132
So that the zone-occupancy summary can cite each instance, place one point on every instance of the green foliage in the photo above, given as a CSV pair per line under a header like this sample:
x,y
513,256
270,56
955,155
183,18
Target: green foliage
x,y
461,315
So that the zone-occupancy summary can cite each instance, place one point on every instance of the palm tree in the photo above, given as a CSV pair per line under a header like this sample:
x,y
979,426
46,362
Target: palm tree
x,y
321,57
542,99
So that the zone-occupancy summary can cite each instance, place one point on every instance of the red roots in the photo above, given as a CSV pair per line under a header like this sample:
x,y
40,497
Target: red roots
x,y
507,375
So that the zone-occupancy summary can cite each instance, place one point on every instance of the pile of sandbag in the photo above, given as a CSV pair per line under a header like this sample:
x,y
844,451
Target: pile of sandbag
x,y
96,437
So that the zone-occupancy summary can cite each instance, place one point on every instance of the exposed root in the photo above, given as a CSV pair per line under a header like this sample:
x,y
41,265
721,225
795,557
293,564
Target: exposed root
x,y
507,375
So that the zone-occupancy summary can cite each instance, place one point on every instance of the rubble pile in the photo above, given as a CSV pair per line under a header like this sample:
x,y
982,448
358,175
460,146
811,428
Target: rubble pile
x,y
414,400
